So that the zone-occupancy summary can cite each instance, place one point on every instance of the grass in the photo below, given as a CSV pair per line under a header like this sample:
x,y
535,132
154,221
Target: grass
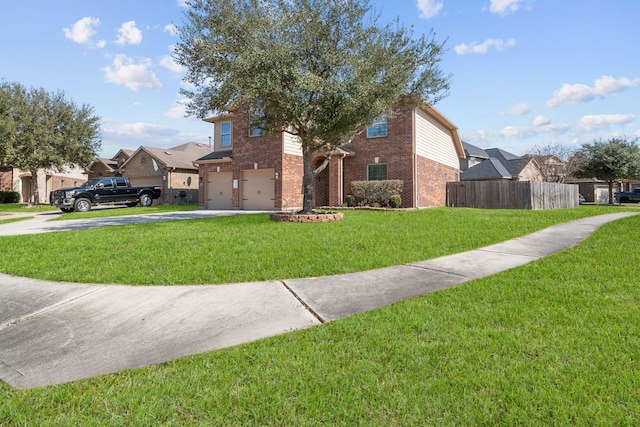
x,y
555,342
254,248
24,208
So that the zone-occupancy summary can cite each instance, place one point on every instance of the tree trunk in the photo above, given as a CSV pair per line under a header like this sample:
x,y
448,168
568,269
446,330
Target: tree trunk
x,y
610,192
34,186
307,180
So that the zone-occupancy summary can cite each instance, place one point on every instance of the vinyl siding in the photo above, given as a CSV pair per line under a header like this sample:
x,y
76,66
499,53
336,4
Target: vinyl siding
x,y
434,141
292,144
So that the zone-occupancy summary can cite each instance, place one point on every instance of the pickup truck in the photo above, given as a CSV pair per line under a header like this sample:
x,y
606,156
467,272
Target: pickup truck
x,y
116,190
632,196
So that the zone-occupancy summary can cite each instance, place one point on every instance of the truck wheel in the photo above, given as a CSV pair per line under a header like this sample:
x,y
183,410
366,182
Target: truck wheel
x,y
146,200
82,205
66,210
624,200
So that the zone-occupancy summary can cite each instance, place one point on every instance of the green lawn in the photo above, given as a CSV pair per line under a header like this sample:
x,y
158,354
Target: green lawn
x,y
254,248
555,342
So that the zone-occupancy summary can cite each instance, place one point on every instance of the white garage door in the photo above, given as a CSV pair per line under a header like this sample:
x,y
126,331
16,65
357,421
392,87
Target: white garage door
x,y
219,190
258,189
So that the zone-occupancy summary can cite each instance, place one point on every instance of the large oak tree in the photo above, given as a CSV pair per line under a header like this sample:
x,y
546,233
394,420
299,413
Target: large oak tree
x,y
612,160
42,130
321,70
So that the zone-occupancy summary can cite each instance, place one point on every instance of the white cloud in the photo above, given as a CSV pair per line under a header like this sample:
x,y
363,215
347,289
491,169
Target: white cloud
x,y
581,93
83,31
139,130
498,44
171,29
126,72
541,121
504,7
178,110
519,109
168,63
182,3
594,122
129,34
531,131
429,8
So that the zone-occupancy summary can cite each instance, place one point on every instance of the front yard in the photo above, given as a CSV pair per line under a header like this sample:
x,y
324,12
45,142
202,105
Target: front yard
x,y
555,342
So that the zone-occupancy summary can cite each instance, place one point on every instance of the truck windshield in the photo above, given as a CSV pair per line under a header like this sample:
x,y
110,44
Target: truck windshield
x,y
91,183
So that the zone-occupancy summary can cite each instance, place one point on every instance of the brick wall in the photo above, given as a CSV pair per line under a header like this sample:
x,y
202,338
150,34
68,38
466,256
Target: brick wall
x,y
432,178
395,150
6,179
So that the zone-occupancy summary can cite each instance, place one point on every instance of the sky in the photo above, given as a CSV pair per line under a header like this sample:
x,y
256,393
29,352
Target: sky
x,y
524,73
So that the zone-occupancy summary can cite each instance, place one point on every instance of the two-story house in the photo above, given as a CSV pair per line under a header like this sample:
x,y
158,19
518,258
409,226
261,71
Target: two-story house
x,y
250,169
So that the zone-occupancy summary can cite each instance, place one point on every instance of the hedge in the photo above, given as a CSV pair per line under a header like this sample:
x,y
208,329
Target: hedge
x,y
376,193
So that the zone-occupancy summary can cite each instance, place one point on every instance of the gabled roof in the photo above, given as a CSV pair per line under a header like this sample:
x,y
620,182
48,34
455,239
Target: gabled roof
x,y
473,151
108,164
500,165
500,154
487,169
180,157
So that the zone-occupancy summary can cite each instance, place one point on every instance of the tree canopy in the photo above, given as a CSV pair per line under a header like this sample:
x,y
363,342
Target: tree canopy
x,y
40,130
321,70
612,160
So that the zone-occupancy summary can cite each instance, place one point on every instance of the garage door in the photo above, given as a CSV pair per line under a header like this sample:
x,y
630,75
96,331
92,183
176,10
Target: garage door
x,y
258,189
145,181
219,190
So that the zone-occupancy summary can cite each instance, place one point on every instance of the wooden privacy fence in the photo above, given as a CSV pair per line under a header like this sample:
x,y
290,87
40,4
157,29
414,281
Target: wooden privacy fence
x,y
533,195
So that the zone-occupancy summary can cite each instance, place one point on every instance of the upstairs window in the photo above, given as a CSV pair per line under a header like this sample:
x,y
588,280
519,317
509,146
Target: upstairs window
x,y
225,134
379,127
377,172
256,120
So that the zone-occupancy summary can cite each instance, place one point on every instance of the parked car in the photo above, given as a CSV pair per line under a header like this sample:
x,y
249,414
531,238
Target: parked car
x,y
632,196
116,190
580,199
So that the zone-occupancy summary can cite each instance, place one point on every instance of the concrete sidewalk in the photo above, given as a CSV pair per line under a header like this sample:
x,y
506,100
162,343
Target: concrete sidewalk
x,y
52,332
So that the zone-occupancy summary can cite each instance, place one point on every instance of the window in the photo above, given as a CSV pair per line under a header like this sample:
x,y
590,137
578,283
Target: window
x,y
377,172
256,121
225,134
379,127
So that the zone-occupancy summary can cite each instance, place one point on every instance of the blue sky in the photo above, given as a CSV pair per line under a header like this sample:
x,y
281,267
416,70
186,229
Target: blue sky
x,y
525,73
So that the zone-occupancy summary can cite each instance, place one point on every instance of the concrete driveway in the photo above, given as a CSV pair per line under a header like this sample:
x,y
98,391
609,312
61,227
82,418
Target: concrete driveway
x,y
53,332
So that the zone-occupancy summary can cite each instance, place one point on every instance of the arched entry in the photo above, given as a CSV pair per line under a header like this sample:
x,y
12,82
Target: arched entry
x,y
321,185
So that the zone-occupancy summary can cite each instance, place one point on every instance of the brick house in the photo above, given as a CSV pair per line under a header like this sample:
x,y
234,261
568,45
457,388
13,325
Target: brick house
x,y
109,167
252,170
170,168
20,181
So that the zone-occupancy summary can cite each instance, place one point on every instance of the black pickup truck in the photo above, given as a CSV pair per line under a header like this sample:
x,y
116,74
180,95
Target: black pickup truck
x,y
116,190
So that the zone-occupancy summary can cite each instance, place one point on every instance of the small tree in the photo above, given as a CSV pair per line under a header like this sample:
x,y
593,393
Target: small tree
x,y
321,70
40,130
611,161
556,161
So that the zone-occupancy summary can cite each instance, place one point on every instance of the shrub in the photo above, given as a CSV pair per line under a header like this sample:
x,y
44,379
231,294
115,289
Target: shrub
x,y
395,201
375,193
350,201
9,197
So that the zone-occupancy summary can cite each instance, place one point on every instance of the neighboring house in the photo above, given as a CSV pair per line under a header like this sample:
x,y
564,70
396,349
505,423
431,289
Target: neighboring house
x,y
109,167
593,190
170,168
13,179
552,167
502,165
473,156
250,169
